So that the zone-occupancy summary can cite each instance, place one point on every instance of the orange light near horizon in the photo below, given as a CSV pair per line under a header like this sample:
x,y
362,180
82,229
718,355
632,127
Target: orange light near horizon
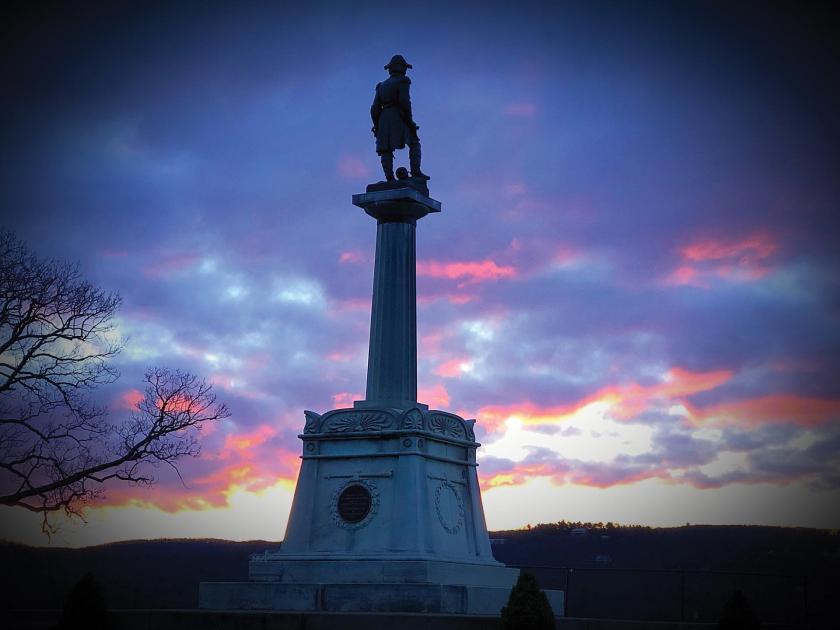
x,y
775,408
623,401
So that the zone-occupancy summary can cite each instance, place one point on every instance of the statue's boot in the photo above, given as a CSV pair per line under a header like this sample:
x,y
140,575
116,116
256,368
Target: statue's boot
x,y
414,161
388,166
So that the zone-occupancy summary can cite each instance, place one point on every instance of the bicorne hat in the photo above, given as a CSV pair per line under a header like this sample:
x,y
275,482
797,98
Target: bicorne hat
x,y
398,60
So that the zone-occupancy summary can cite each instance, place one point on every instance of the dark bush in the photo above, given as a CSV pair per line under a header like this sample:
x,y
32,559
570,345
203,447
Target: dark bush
x,y
527,607
737,614
85,607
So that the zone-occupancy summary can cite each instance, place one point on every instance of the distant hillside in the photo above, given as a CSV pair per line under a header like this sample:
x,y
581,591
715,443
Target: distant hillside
x,y
697,548
166,573
134,574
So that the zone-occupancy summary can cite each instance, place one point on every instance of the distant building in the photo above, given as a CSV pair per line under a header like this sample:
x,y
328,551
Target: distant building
x,y
498,541
579,531
604,559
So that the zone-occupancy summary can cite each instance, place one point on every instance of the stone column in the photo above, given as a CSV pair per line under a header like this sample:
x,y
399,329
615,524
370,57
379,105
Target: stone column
x,y
392,353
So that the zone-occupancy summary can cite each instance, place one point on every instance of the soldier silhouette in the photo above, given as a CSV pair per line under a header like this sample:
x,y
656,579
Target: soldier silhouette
x,y
393,124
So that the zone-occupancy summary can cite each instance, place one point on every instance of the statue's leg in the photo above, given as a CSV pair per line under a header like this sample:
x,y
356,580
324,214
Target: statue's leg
x,y
414,160
388,165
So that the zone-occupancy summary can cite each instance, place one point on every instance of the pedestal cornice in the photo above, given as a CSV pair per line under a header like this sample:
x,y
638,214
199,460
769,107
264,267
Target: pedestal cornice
x,y
400,204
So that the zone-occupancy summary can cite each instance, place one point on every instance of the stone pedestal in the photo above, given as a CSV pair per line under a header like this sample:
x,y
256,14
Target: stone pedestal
x,y
387,512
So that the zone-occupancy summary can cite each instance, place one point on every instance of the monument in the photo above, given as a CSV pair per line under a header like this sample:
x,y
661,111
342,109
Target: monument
x,y
387,512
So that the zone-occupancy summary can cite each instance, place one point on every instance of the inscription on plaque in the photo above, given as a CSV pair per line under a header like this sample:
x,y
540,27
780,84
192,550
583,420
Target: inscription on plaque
x,y
354,503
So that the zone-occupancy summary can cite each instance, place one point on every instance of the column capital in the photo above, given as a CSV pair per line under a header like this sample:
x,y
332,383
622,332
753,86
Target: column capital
x,y
405,204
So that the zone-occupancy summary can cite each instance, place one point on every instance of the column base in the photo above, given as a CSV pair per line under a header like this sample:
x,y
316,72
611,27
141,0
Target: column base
x,y
402,405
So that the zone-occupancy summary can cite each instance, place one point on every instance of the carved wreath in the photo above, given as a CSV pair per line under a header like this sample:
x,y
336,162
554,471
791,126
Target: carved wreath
x,y
446,521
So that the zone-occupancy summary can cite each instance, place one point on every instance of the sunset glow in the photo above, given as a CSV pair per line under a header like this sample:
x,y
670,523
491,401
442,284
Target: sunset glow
x,y
632,285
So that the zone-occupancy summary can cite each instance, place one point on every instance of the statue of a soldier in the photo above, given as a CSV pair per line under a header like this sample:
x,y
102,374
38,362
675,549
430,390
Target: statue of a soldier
x,y
393,124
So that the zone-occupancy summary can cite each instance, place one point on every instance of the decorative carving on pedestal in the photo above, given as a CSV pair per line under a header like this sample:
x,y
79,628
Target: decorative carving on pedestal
x,y
354,503
376,420
412,419
447,424
358,421
312,421
449,507
470,427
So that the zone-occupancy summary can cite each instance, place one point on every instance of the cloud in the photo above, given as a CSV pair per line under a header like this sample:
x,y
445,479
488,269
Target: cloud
x,y
130,399
435,396
775,408
355,256
470,271
353,167
709,260
454,368
624,401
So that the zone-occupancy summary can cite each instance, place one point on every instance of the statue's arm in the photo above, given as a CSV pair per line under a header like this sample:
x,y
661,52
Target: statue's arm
x,y
405,102
375,108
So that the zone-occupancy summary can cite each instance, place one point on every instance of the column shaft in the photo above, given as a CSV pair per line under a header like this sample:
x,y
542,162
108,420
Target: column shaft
x,y
392,354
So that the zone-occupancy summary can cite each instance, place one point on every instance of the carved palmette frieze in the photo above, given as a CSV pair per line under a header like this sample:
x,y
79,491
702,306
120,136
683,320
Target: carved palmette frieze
x,y
412,419
447,424
312,421
469,425
358,421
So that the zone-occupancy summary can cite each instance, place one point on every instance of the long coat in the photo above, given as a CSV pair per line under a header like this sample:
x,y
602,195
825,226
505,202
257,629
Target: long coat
x,y
391,114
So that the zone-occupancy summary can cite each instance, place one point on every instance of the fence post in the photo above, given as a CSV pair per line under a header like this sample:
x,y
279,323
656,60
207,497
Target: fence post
x,y
566,596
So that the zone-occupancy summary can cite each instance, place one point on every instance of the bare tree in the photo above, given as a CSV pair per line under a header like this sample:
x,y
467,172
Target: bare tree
x,y
57,448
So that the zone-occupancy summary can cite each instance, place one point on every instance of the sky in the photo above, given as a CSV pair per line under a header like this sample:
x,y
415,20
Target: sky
x,y
633,285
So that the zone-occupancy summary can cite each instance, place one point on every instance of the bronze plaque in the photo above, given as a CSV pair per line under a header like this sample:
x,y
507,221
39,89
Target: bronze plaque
x,y
354,503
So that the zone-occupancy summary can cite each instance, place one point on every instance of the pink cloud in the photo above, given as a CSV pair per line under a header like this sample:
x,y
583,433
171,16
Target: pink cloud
x,y
343,400
435,396
756,247
451,368
685,276
707,260
353,167
250,461
470,271
775,408
625,400
354,256
243,444
130,399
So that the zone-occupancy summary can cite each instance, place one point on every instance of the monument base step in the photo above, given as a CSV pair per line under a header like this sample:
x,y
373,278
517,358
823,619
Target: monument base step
x,y
309,570
359,597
